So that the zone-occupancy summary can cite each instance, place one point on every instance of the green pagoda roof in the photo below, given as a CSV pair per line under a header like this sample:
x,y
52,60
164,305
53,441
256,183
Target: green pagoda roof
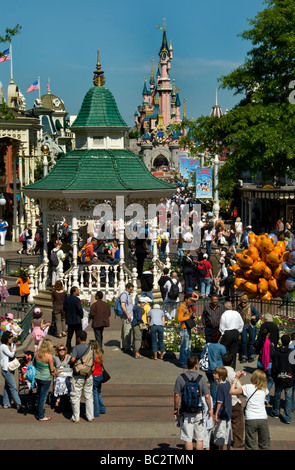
x,y
99,109
100,170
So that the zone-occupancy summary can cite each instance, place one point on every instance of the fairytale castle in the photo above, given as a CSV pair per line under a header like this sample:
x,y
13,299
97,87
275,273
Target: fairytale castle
x,y
158,141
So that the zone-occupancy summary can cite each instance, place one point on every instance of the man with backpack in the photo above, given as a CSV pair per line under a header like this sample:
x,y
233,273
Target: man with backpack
x,y
173,288
162,242
188,409
82,361
204,270
56,259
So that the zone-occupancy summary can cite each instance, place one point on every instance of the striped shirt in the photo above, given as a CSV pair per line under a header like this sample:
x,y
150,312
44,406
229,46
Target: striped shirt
x,y
211,316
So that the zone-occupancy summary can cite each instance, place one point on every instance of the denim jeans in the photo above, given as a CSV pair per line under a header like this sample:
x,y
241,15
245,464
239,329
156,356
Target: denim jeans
x,y
148,294
208,247
205,286
98,403
269,379
43,387
10,390
157,333
287,415
248,337
185,346
180,253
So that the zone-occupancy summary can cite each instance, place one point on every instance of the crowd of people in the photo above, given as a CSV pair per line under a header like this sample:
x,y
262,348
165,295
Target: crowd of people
x,y
206,275
229,422
72,373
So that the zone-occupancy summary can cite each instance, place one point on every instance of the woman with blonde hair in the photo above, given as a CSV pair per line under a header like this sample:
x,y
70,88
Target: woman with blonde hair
x,y
44,371
97,376
256,423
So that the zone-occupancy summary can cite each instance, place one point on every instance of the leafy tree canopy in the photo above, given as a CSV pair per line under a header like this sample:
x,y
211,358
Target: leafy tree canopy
x,y
259,131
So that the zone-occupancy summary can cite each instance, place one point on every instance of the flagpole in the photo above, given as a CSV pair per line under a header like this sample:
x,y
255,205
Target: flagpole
x,y
11,69
39,88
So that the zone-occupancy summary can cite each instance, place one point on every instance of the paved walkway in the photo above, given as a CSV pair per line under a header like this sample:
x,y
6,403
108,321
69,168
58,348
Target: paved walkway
x,y
139,402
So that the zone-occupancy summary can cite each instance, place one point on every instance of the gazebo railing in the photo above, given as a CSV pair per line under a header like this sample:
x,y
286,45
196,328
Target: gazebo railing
x,y
99,277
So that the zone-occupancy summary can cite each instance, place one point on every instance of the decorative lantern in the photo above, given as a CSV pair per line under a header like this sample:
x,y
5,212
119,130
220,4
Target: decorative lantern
x,y
2,200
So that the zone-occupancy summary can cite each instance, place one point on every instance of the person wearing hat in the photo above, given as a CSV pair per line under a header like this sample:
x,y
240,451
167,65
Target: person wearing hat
x,y
11,325
144,302
156,320
250,316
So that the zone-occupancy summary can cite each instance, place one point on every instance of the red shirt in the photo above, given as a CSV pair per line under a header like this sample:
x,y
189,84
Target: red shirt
x,y
208,266
97,367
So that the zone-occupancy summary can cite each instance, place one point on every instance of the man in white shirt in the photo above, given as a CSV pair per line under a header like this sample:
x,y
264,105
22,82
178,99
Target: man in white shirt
x,y
170,304
230,326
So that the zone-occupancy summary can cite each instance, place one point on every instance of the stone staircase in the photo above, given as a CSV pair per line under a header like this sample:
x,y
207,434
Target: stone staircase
x,y
43,299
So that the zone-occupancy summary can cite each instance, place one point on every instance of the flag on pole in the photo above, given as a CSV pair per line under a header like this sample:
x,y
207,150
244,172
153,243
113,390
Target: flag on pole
x,y
5,56
33,87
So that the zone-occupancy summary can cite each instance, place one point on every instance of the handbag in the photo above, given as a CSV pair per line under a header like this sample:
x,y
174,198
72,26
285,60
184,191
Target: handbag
x,y
190,323
106,375
13,365
204,361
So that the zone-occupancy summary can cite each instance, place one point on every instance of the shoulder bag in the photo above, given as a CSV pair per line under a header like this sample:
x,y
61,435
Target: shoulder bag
x,y
13,365
204,361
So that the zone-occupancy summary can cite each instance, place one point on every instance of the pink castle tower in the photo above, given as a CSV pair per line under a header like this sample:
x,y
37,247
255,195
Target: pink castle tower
x,y
157,139
164,86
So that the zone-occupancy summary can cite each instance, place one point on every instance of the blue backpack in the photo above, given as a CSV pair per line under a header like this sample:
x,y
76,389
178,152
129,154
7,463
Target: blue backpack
x,y
30,374
191,401
118,308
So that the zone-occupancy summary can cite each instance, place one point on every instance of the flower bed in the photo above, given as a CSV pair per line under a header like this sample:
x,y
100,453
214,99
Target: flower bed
x,y
172,337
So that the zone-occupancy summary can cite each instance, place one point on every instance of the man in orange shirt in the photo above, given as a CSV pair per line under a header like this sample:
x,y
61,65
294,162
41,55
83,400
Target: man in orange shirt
x,y
184,314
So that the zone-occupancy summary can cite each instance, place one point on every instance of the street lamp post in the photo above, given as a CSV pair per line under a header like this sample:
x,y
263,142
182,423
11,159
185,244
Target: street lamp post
x,y
216,206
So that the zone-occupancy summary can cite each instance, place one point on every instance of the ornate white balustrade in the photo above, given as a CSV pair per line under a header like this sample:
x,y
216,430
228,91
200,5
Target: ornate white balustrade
x,y
90,279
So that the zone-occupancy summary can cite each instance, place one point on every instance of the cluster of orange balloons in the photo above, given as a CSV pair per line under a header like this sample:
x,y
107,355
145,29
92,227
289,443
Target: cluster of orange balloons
x,y
258,269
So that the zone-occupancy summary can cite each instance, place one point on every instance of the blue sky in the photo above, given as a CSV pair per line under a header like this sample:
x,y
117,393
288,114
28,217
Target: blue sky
x,y
59,40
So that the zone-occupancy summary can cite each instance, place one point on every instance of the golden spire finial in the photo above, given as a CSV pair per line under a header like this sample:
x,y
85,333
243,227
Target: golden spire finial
x,y
98,79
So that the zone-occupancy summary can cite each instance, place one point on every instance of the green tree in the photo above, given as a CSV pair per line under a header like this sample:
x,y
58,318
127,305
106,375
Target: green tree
x,y
258,131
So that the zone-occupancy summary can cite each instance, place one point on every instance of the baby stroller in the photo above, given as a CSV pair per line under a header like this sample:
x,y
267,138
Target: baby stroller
x,y
26,383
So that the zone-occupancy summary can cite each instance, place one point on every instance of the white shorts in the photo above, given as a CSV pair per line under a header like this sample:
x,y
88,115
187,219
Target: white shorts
x,y
30,243
207,440
222,433
193,426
